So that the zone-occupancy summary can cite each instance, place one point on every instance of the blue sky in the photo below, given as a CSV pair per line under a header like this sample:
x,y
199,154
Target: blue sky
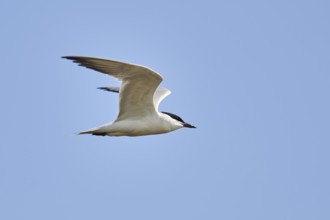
x,y
253,76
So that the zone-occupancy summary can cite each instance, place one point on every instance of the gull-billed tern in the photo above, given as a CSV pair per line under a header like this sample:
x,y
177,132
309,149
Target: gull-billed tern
x,y
139,98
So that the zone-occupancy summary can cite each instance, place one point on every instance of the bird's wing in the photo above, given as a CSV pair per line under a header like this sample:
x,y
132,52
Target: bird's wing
x,y
111,89
159,95
138,85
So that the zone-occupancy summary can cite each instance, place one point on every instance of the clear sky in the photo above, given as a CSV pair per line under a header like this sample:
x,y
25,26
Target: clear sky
x,y
253,76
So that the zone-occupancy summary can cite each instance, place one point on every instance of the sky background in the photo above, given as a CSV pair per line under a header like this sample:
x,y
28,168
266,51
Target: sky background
x,y
253,76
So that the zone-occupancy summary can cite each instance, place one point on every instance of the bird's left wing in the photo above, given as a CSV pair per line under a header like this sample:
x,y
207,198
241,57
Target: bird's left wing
x,y
138,84
160,94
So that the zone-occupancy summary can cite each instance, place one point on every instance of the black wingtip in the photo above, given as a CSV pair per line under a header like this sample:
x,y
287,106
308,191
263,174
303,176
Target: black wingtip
x,y
68,57
109,89
104,88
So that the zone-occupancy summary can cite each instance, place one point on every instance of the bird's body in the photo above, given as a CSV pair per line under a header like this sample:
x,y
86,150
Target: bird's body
x,y
139,98
156,124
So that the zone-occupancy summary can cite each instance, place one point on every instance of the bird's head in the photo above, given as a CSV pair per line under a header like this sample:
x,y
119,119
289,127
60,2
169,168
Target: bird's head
x,y
179,120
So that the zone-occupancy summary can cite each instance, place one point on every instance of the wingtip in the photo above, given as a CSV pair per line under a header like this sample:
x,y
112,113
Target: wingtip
x,y
110,89
67,57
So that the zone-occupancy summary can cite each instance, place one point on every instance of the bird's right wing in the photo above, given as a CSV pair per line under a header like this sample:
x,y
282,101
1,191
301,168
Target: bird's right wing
x,y
159,95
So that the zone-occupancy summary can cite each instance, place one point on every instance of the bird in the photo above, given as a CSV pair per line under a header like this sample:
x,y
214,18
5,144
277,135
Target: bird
x,y
139,99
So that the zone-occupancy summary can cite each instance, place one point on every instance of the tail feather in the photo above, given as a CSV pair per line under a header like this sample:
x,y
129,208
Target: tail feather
x,y
93,132
100,131
86,132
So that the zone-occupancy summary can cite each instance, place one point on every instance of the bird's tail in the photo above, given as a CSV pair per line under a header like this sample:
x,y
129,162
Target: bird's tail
x,y
93,132
85,132
97,133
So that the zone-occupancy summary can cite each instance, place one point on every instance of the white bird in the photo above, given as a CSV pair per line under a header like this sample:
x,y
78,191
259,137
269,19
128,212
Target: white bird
x,y
139,98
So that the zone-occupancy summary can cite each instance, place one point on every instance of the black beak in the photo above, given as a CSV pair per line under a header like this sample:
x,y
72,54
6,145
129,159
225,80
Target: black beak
x,y
186,125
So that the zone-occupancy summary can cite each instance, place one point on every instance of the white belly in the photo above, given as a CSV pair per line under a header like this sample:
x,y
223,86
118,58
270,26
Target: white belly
x,y
137,128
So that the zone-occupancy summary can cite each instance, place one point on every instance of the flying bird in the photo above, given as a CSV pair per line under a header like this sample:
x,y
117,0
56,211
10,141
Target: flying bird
x,y
139,98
